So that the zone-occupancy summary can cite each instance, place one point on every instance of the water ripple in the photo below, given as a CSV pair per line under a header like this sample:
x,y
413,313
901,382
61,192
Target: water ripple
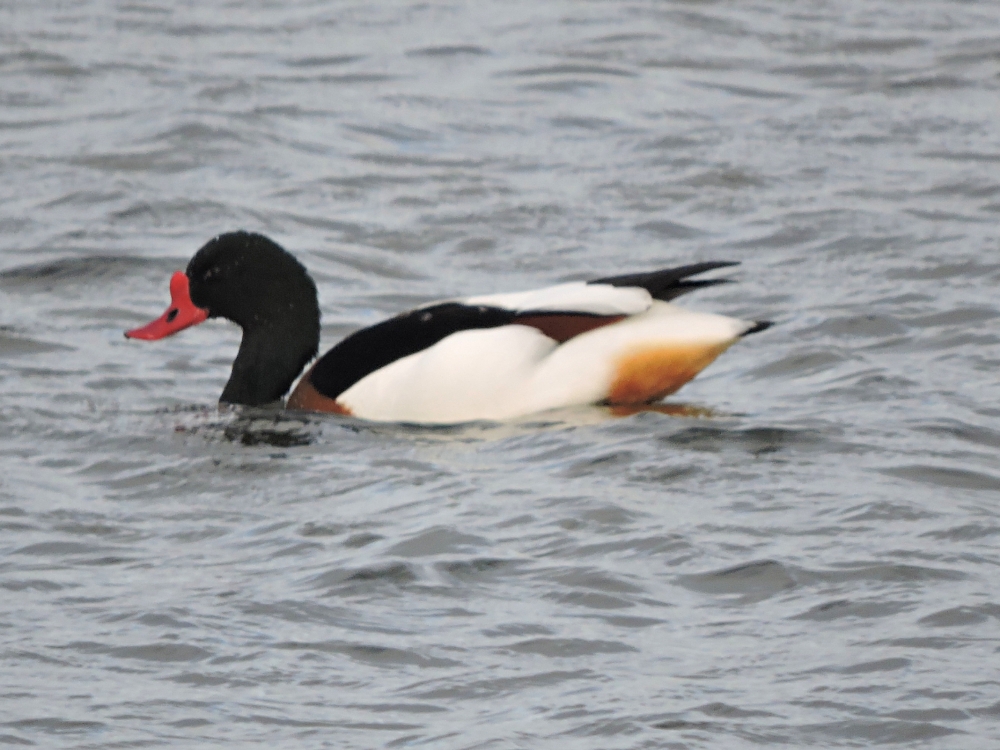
x,y
796,550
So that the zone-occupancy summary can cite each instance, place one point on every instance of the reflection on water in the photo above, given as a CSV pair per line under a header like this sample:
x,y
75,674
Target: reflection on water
x,y
797,549
669,409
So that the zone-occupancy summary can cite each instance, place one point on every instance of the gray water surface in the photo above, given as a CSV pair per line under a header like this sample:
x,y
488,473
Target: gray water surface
x,y
812,562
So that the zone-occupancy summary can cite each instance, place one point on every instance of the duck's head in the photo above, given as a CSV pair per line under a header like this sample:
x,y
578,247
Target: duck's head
x,y
241,276
250,280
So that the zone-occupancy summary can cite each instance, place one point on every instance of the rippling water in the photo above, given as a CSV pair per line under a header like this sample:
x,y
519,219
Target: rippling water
x,y
811,562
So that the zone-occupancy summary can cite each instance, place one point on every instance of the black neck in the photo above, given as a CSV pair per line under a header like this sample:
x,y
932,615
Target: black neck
x,y
269,360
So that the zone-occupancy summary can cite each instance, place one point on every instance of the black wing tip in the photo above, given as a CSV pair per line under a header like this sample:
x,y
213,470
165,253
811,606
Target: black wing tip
x,y
692,269
699,283
665,276
719,263
757,327
709,265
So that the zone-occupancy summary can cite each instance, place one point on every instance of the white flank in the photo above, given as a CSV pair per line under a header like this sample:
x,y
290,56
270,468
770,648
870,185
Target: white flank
x,y
467,376
511,371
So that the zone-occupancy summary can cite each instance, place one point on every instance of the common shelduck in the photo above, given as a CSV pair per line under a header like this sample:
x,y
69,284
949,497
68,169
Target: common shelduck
x,y
616,340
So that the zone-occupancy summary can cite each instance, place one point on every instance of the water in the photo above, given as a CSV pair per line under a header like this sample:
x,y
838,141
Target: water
x,y
810,563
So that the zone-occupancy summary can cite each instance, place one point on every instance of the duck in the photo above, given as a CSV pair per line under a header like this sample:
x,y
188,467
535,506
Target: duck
x,y
617,341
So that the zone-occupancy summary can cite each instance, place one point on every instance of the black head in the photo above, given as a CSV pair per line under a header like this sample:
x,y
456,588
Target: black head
x,y
252,281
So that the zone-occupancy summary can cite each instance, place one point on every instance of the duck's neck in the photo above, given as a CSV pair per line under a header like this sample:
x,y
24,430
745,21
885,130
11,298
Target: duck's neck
x,y
269,360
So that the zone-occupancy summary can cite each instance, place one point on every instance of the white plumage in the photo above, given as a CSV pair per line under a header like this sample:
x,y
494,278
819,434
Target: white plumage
x,y
510,371
575,296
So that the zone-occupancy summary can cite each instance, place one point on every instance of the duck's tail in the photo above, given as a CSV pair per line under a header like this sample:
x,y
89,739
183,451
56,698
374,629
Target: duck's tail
x,y
758,326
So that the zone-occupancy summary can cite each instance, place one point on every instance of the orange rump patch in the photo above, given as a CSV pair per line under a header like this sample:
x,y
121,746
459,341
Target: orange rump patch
x,y
305,397
650,373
